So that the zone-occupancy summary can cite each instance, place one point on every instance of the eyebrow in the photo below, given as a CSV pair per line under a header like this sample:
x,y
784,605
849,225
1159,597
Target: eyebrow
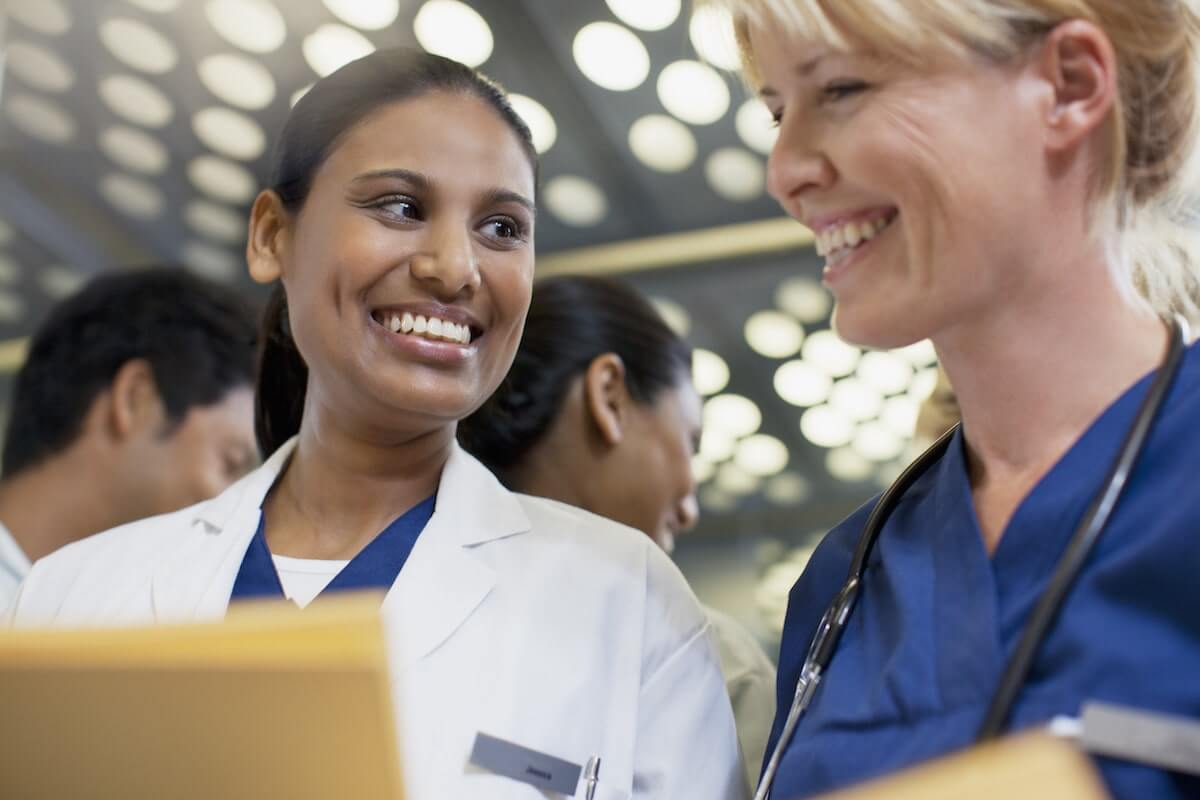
x,y
422,182
803,69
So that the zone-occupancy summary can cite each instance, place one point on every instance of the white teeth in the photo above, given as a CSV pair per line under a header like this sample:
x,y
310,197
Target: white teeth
x,y
849,235
420,324
429,327
434,327
394,323
407,322
853,237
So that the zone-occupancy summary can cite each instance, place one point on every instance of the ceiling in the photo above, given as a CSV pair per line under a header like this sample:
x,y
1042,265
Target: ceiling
x,y
135,132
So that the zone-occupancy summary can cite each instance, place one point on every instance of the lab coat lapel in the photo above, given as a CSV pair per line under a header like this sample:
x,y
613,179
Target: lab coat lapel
x,y
197,583
445,579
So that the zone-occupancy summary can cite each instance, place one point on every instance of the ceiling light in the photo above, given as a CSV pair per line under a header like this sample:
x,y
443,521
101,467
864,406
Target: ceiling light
x,y
673,314
238,80
804,299
694,92
296,95
136,100
331,47
575,201
857,399
923,384
717,500
44,16
134,150
370,15
826,426
802,384
702,469
716,445
157,6
710,373
900,415
761,455
919,354
735,480
216,222
735,174
756,126
132,196
877,442
209,261
10,271
662,143
787,489
253,25
611,56
40,118
58,282
774,334
540,122
12,307
847,465
825,350
229,132
888,373
39,67
646,15
454,30
222,179
711,32
138,45
732,414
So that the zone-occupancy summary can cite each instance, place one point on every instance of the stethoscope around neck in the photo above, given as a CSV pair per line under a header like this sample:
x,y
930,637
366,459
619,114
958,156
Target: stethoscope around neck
x,y
837,615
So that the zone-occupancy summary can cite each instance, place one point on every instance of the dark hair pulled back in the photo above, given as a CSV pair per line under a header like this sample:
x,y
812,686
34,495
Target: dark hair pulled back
x,y
333,106
572,320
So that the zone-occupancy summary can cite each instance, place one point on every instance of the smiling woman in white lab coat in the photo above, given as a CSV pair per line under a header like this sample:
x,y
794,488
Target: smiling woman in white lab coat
x,y
399,226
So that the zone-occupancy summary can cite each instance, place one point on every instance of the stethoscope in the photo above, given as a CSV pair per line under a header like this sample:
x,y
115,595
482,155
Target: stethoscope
x,y
833,622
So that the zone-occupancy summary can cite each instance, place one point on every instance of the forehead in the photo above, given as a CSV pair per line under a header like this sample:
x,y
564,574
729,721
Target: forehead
x,y
449,137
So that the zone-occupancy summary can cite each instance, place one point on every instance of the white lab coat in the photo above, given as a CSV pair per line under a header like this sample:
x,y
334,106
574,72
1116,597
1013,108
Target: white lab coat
x,y
516,616
14,566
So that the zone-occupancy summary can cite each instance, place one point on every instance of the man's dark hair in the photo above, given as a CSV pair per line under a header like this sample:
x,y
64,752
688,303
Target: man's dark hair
x,y
197,337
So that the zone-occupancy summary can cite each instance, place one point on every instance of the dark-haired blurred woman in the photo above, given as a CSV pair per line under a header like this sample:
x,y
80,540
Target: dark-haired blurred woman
x,y
599,411
399,224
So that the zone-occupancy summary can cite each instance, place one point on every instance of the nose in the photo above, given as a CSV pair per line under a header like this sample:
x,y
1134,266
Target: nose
x,y
447,264
797,166
687,513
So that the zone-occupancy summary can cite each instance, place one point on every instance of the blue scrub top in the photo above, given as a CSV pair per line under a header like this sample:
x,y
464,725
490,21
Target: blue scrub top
x,y
937,618
375,567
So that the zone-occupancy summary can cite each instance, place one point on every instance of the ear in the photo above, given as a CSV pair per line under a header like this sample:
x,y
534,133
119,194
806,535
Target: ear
x,y
134,401
1076,59
267,242
606,397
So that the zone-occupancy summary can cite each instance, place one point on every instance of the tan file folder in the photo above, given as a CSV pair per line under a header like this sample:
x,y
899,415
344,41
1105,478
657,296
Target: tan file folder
x,y
271,703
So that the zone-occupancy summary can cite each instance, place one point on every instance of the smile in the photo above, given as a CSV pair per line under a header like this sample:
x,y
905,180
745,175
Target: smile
x,y
420,326
839,241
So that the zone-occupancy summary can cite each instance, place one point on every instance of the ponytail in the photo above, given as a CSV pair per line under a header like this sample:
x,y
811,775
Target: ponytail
x,y
282,378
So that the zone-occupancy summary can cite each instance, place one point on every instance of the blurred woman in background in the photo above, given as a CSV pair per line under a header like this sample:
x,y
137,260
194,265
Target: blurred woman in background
x,y
599,411
1009,179
398,229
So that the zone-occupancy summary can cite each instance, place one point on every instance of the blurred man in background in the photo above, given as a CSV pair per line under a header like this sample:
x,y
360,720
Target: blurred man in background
x,y
135,399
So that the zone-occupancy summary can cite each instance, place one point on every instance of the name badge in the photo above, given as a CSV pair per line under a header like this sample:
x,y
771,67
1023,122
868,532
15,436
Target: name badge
x,y
1144,737
525,765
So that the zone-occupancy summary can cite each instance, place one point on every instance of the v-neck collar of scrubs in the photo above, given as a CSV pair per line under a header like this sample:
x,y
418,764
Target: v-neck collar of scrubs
x,y
375,567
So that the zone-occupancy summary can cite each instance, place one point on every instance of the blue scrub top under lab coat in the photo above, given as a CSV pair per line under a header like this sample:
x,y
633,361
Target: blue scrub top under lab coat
x,y
937,618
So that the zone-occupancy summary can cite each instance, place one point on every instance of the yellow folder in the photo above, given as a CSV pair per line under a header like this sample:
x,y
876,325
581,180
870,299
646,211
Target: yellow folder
x,y
270,703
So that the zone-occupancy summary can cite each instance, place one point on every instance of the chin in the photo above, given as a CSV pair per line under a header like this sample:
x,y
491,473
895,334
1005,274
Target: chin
x,y
879,326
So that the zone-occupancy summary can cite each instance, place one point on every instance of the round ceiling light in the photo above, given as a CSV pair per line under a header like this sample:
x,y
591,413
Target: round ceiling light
x,y
710,373
10,271
40,118
788,489
900,415
774,334
331,47
575,201
923,384
138,45
646,15
732,414
761,455
662,143
58,282
238,80
253,25
804,299
132,196
370,15
156,6
12,307
702,469
454,30
209,261
215,222
887,372
711,32
694,92
735,480
735,174
540,122
847,465
755,126
717,446
802,384
44,16
919,354
675,315
826,426
856,399
611,56
229,133
875,441
136,100
39,67
222,179
716,500
825,350
134,150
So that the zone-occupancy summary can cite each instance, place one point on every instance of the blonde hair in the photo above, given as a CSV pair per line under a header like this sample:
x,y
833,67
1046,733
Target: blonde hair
x,y
1146,186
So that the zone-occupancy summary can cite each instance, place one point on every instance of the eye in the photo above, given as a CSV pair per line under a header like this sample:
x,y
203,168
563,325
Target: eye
x,y
504,228
841,89
399,207
776,118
